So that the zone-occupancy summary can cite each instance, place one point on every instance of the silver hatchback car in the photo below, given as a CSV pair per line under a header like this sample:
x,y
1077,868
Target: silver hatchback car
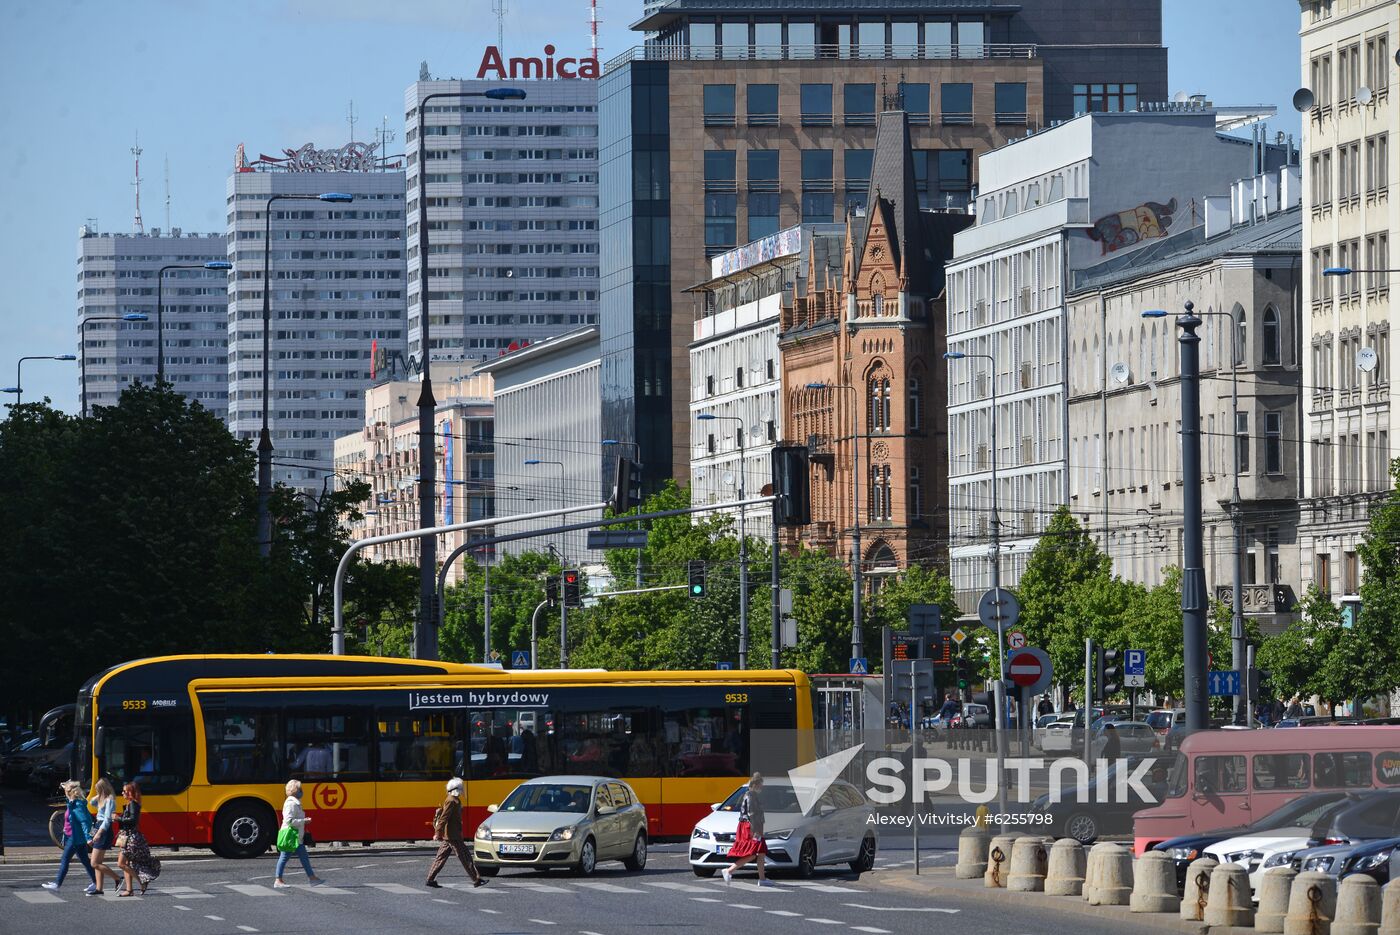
x,y
563,821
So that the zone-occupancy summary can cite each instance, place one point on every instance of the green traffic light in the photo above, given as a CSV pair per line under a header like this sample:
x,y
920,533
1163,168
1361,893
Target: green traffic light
x,y
696,589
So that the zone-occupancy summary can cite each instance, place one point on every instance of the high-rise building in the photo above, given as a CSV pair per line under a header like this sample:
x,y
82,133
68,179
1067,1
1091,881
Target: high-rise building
x,y
1049,205
512,213
338,285
737,121
117,277
1349,156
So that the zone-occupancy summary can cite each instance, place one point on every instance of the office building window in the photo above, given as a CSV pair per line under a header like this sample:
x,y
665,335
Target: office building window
x,y
860,105
1273,345
880,508
1378,62
721,199
1273,443
938,40
768,39
1271,562
857,174
1351,573
916,495
1322,572
818,190
915,95
915,404
816,105
904,39
1242,440
955,103
1321,83
971,36
719,105
1110,98
1378,261
763,169
734,39
763,198
1377,164
762,105
1321,171
1011,102
954,170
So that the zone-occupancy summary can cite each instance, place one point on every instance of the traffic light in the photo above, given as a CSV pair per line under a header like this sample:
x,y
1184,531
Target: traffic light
x,y
792,485
571,593
962,674
695,575
1108,673
627,486
551,592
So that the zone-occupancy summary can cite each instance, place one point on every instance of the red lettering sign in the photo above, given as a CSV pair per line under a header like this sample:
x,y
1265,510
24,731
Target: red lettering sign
x,y
493,65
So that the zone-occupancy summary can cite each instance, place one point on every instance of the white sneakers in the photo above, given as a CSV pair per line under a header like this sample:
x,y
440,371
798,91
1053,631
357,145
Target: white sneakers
x,y
51,885
728,874
279,885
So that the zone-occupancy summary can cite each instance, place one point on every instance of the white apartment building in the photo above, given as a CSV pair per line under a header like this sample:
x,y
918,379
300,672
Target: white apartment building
x,y
512,214
1349,157
1049,204
117,277
385,453
337,272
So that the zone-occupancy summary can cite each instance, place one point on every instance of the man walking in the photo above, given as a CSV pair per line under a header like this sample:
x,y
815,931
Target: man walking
x,y
447,829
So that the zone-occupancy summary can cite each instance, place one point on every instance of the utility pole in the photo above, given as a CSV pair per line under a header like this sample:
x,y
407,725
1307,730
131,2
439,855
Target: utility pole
x,y
1193,597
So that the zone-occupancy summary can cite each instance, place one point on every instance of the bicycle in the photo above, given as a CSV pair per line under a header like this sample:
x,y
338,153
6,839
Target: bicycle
x,y
56,822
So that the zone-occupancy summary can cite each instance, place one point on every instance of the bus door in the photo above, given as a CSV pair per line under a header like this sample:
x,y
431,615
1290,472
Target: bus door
x,y
331,752
1219,792
149,740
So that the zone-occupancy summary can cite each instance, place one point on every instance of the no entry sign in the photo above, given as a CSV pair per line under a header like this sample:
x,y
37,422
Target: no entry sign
x,y
1030,668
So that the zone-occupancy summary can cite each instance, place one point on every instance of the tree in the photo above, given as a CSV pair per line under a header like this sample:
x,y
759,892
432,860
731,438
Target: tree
x,y
1372,653
1064,558
381,604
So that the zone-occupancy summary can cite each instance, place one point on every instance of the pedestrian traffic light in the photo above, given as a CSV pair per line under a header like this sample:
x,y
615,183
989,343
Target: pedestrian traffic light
x,y
572,597
1108,672
695,575
627,486
551,592
962,674
792,485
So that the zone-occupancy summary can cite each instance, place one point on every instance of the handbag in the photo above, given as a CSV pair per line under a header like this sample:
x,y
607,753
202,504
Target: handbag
x,y
121,841
307,839
288,840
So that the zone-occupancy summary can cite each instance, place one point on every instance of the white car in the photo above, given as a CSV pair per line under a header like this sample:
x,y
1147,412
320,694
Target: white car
x,y
1254,851
838,831
1057,736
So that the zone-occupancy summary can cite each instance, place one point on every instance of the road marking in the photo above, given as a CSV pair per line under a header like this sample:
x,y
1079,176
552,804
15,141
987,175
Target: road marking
x,y
185,892
679,887
783,912
609,887
215,918
396,888
871,929
537,887
324,890
184,908
252,889
446,902
822,887
43,896
705,899
246,928
824,921
901,908
361,866
494,912
543,922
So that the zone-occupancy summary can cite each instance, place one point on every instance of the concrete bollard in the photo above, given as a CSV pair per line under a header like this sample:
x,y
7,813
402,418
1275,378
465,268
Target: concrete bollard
x,y
998,861
1113,884
1065,875
1390,908
1273,899
1093,868
972,852
1230,901
1154,884
1029,863
1358,906
1197,891
1312,905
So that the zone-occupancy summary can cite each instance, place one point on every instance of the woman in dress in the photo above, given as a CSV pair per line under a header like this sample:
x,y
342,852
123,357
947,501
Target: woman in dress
x,y
135,857
748,842
104,832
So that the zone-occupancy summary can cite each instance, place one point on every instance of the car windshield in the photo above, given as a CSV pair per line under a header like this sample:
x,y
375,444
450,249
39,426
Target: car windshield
x,y
1159,719
775,799
1302,811
548,797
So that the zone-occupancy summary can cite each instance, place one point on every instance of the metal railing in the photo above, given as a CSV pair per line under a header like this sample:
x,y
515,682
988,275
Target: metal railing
x,y
809,52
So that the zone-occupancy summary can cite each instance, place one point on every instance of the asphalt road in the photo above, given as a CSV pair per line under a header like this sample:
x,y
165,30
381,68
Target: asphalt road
x,y
381,891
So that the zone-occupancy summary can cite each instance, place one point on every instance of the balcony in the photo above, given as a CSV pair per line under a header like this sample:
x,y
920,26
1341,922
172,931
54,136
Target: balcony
x,y
1259,598
821,449
806,52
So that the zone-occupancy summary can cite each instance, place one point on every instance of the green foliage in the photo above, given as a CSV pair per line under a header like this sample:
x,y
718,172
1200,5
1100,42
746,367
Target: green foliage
x,y
1064,559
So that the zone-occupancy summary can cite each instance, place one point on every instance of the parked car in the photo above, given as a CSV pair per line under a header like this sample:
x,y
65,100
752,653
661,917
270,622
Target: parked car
x,y
1133,736
835,831
1083,818
1056,736
45,777
563,821
1376,859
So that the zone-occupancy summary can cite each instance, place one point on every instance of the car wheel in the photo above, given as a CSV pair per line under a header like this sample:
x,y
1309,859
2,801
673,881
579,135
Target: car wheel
x,y
807,860
487,871
1082,827
704,872
244,829
638,860
587,859
865,860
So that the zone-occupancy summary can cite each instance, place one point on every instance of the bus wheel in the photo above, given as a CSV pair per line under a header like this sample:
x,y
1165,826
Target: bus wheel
x,y
244,829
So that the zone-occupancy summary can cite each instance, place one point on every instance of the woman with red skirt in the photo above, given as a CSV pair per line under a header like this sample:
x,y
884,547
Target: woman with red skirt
x,y
748,842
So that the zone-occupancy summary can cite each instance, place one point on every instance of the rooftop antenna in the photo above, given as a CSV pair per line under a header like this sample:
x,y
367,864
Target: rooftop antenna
x,y
500,7
593,26
136,152
385,135
350,116
167,193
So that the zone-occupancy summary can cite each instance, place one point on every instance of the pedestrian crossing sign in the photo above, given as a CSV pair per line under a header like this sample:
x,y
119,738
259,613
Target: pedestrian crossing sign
x,y
860,666
520,659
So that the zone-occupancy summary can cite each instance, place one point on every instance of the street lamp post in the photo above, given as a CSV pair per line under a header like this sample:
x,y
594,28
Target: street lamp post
x,y
265,436
857,635
160,307
564,562
82,349
425,633
1193,599
1237,634
637,454
18,388
743,542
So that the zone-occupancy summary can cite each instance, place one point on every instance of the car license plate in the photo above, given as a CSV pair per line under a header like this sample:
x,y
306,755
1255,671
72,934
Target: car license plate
x,y
517,848
721,848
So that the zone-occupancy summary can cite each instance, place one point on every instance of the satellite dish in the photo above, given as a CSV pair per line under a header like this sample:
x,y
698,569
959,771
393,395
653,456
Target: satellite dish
x,y
1364,95
1119,372
1366,359
1181,97
728,479
1303,100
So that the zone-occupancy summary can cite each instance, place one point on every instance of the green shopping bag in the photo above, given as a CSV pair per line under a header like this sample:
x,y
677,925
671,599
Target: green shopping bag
x,y
288,840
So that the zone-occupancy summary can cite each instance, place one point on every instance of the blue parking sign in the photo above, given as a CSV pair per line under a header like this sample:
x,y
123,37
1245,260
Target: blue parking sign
x,y
1135,662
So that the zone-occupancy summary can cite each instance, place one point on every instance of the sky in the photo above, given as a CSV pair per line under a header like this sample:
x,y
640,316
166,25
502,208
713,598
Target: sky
x,y
194,78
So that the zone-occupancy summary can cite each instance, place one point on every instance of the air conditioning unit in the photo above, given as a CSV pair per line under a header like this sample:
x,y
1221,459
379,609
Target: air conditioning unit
x,y
1025,300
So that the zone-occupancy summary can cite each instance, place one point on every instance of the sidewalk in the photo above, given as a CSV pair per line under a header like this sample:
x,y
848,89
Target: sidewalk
x,y
939,883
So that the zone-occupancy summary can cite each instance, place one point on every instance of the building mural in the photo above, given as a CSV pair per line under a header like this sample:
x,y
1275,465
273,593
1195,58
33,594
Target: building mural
x,y
1125,228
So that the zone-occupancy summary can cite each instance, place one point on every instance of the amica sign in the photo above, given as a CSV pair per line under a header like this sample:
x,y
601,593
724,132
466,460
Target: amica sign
x,y
493,65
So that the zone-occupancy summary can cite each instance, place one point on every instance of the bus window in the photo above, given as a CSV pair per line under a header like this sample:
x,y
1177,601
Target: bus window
x,y
506,743
1216,775
1280,771
602,743
416,746
1342,770
156,752
707,741
332,746
243,746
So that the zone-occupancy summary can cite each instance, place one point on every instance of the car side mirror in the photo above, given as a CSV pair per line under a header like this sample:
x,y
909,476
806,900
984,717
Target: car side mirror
x,y
492,809
827,810
606,809
714,806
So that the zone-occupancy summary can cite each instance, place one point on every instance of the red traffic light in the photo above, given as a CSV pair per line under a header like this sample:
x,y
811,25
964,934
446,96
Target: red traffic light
x,y
570,577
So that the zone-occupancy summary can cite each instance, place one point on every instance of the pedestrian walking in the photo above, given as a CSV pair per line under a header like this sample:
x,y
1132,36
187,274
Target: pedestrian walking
x,y
1112,746
1046,706
77,829
104,834
447,831
291,837
135,859
748,842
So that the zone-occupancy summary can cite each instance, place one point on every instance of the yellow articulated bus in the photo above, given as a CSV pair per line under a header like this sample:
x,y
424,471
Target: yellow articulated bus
x,y
212,740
